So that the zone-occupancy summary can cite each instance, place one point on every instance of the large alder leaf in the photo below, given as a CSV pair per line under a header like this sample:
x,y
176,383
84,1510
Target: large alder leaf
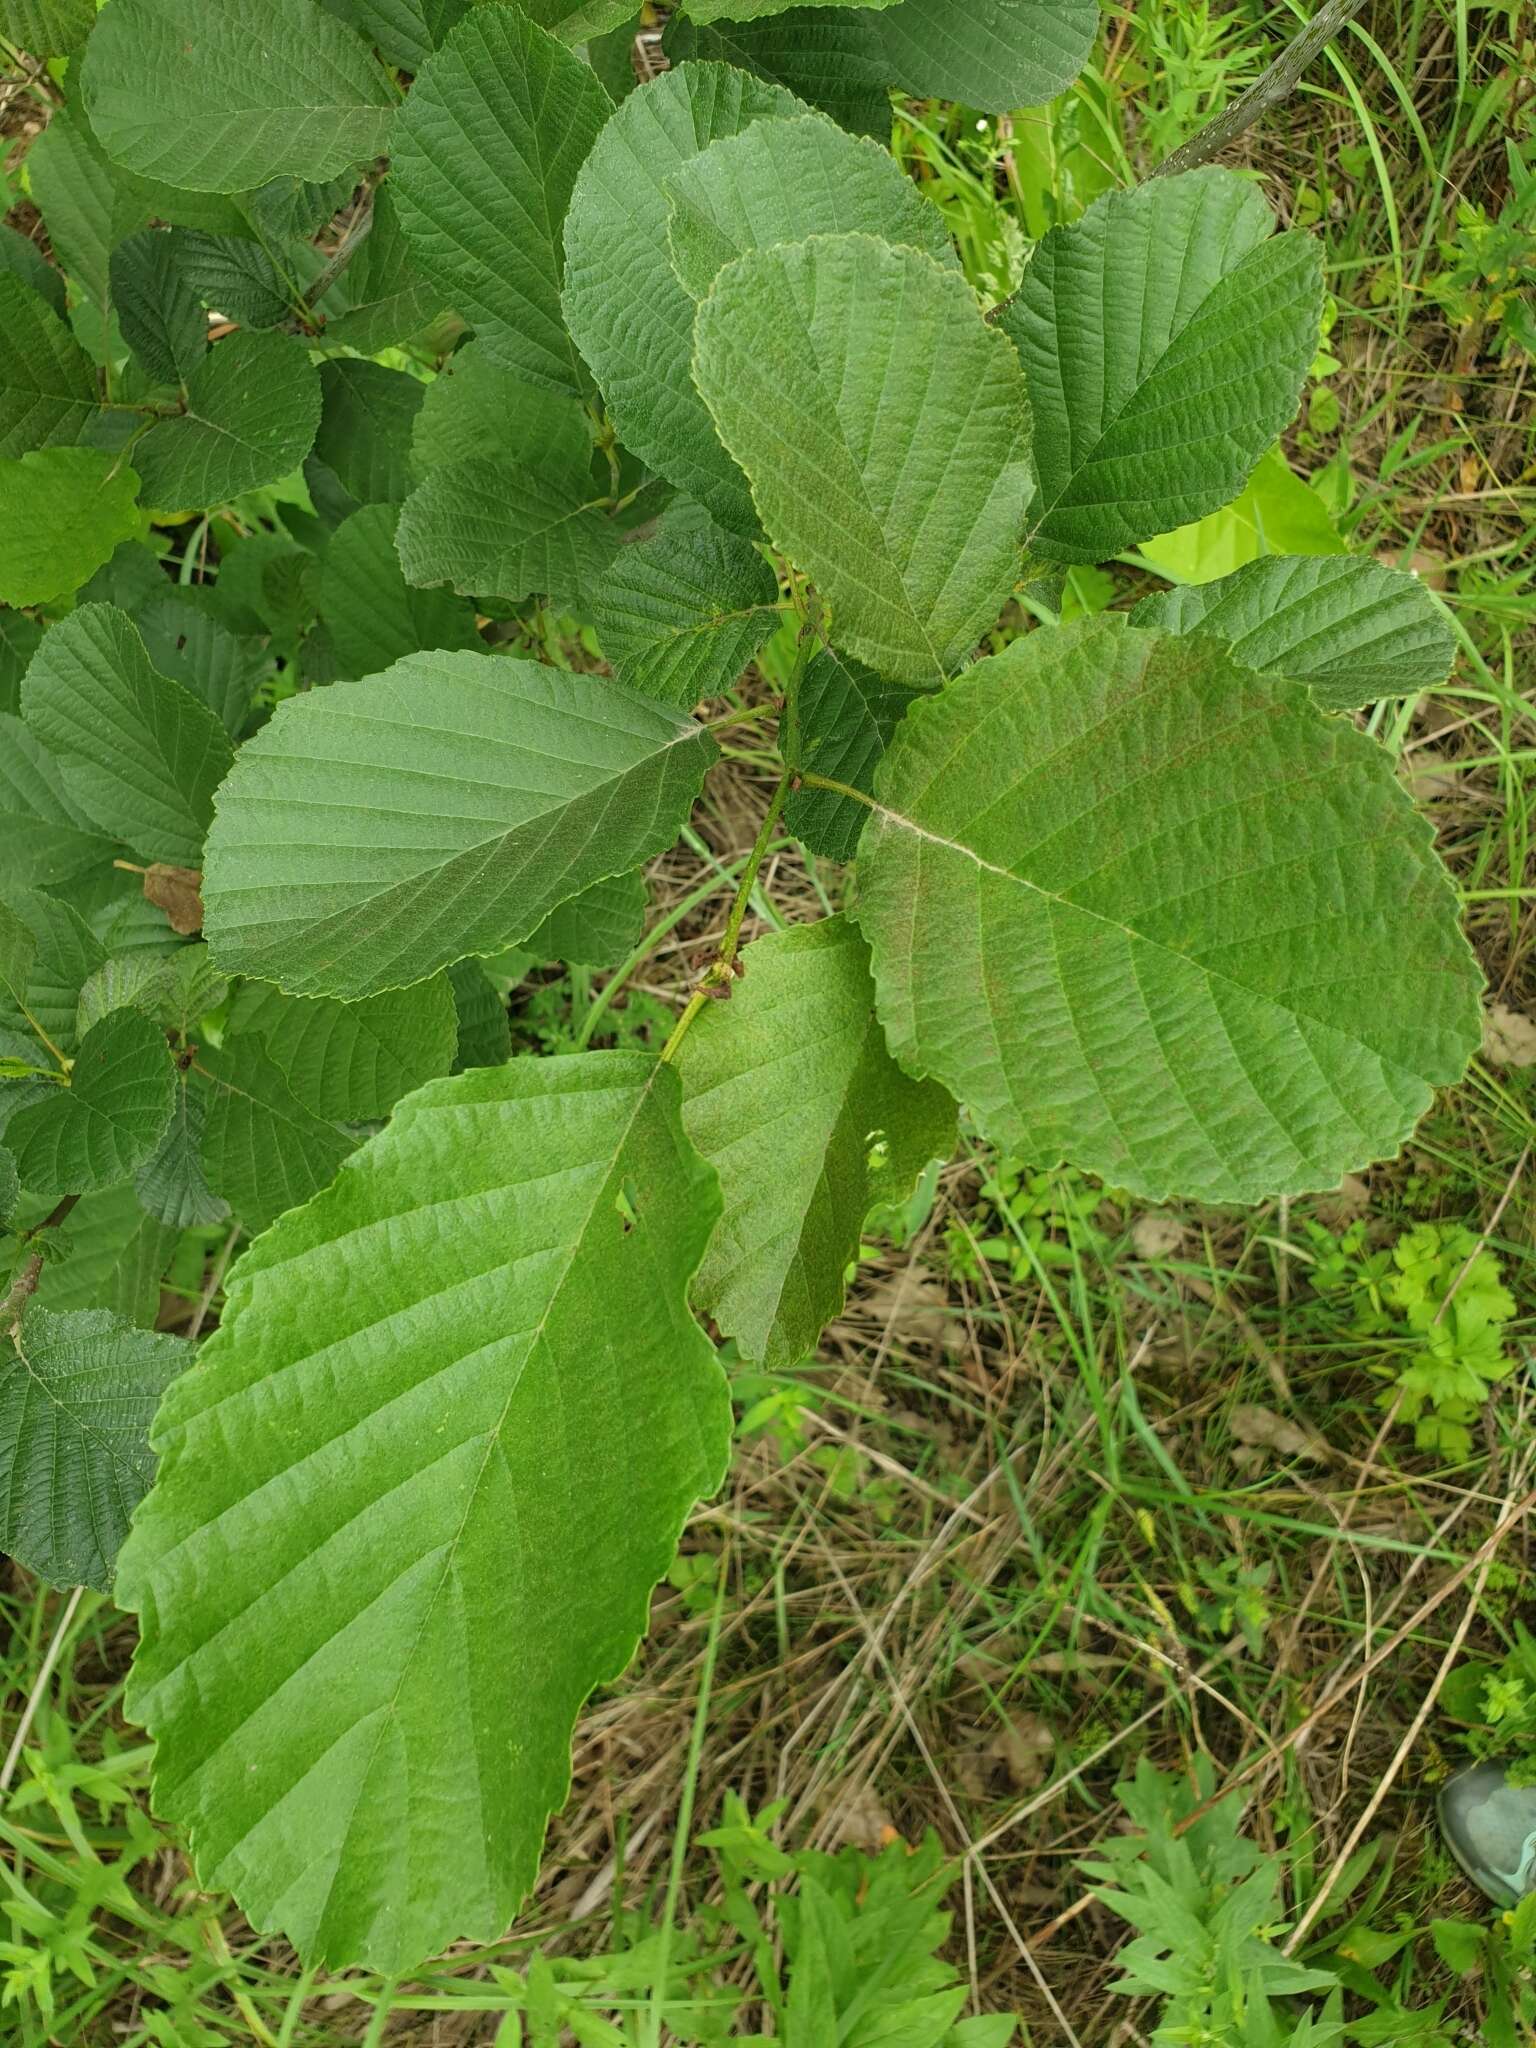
x,y
413,1501
884,428
680,615
252,409
831,58
110,1118
782,181
351,1062
1157,915
500,529
1352,628
48,390
630,317
994,55
80,503
485,155
1166,336
222,98
376,831
790,1093
77,1397
140,754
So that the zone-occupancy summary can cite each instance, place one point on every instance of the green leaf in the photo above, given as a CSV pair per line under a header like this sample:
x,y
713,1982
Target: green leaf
x,y
503,530
10,1184
753,10
365,427
109,1119
175,989
171,1185
20,638
1152,913
115,1259
350,1062
86,203
1352,628
159,312
18,951
67,953
478,407
405,32
47,28
846,717
884,427
682,614
387,299
598,928
494,1298
76,1403
629,315
373,615
234,277
374,832
789,1092
486,151
993,55
1166,336
219,99
1275,513
80,504
141,755
187,641
485,1034
263,1151
832,58
47,385
252,410
22,259
783,181
574,21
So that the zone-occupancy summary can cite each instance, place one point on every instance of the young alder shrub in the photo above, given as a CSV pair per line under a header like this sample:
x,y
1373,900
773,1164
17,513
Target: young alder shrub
x,y
1138,891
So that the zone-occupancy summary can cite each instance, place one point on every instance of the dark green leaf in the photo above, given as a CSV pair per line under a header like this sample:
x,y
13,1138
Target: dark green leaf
x,y
351,1062
159,312
109,1119
47,385
366,420
499,529
847,716
263,1151
252,410
374,617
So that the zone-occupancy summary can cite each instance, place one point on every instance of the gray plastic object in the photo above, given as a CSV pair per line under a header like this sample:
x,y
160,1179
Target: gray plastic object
x,y
1490,1828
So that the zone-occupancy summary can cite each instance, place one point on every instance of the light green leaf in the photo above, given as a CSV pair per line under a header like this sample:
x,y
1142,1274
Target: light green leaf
x,y
365,427
477,407
847,716
629,315
172,1185
1152,913
1275,513
374,832
360,1709
386,298
373,615
486,152
252,410
682,614
141,755
67,953
187,641
502,530
789,1092
115,1258
109,1119
1352,628
832,58
47,28
160,314
1165,336
598,928
485,1034
575,21
783,181
993,55
76,1403
884,427
79,505
175,989
47,385
220,99
405,32
351,1062
263,1151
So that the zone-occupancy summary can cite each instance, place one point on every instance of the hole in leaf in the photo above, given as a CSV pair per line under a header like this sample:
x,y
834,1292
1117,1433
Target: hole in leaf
x,y
628,1205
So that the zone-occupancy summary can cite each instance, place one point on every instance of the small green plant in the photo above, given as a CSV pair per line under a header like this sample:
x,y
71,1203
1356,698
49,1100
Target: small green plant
x,y
1450,1293
1495,1701
1484,285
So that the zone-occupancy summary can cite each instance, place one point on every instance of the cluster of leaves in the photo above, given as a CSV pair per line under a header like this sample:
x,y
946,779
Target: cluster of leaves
x,y
680,362
1495,1701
